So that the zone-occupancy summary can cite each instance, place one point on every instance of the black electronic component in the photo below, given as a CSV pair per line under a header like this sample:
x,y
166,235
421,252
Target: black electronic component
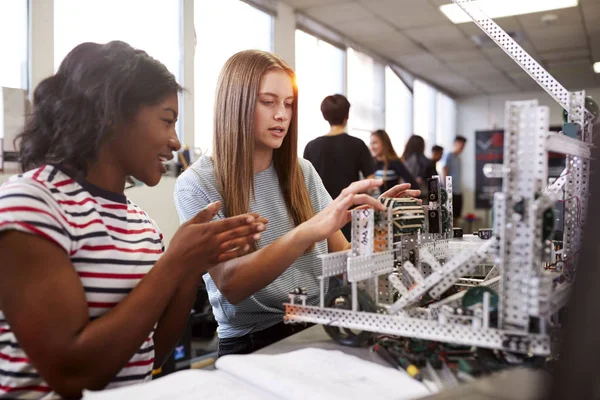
x,y
433,188
341,297
457,232
548,224
485,234
433,217
444,196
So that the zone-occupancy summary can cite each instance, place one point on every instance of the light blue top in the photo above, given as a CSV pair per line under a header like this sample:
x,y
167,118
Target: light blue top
x,y
197,187
453,162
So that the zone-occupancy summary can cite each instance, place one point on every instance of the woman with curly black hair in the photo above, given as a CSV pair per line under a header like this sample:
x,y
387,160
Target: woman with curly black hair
x,y
88,297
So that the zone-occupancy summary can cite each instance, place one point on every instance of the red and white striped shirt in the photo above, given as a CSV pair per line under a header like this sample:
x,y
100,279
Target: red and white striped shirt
x,y
112,244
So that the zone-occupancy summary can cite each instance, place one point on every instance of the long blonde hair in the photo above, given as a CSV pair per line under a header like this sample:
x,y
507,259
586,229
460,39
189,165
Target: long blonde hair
x,y
233,143
389,154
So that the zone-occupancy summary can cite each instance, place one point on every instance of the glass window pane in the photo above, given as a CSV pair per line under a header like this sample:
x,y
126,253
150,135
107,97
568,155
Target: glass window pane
x,y
446,121
366,93
398,110
145,24
214,21
13,45
424,112
316,80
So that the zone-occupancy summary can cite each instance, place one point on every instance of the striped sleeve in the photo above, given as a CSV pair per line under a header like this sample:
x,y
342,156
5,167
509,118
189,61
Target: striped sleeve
x,y
189,197
26,206
319,196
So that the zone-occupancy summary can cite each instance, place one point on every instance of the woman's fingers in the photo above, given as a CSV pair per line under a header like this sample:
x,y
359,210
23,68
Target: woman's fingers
x,y
366,200
237,245
411,193
397,190
241,232
361,186
344,203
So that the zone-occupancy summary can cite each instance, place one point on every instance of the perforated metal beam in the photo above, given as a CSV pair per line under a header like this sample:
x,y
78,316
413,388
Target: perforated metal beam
x,y
516,52
419,328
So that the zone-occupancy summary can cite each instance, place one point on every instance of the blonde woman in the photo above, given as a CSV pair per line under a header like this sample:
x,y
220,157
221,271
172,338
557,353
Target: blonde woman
x,y
255,167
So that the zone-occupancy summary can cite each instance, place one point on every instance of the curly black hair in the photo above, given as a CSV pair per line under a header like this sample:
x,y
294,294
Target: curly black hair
x,y
74,111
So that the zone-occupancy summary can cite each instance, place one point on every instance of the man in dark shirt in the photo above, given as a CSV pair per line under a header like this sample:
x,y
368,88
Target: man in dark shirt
x,y
338,157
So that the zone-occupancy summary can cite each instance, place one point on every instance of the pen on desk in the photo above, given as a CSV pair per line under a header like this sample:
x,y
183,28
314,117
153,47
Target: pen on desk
x,y
400,362
410,368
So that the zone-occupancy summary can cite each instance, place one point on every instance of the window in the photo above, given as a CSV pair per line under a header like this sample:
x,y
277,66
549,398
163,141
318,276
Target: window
x,y
366,92
398,110
445,121
149,25
320,70
215,22
13,45
425,112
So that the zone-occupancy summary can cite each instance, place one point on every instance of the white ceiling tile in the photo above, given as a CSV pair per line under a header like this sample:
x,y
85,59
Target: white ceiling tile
x,y
392,45
496,84
562,71
467,89
421,62
469,68
406,13
441,37
509,24
566,54
574,82
595,45
416,35
447,78
460,55
562,37
333,14
370,28
591,16
300,4
564,17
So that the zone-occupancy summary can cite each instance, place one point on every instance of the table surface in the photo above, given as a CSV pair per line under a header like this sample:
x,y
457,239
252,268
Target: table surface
x,y
513,384
316,337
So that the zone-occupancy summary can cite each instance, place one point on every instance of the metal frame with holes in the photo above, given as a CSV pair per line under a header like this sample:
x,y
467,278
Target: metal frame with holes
x,y
429,264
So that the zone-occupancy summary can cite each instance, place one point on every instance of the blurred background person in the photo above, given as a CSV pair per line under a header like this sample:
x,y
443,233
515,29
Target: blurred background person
x,y
417,163
452,166
339,158
437,152
389,167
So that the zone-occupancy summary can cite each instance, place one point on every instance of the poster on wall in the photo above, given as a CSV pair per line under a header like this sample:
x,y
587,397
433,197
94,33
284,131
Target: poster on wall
x,y
489,149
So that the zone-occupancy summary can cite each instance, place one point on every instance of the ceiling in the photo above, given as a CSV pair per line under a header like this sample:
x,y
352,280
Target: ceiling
x,y
418,37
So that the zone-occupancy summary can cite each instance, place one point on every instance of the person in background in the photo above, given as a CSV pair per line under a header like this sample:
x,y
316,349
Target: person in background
x,y
89,298
389,166
452,166
437,152
417,163
255,166
339,158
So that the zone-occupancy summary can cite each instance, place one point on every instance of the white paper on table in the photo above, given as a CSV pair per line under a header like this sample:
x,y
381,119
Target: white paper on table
x,y
322,374
184,385
310,373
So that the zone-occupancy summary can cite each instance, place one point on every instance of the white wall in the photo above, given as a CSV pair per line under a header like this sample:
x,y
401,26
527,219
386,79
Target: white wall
x,y
159,205
486,113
